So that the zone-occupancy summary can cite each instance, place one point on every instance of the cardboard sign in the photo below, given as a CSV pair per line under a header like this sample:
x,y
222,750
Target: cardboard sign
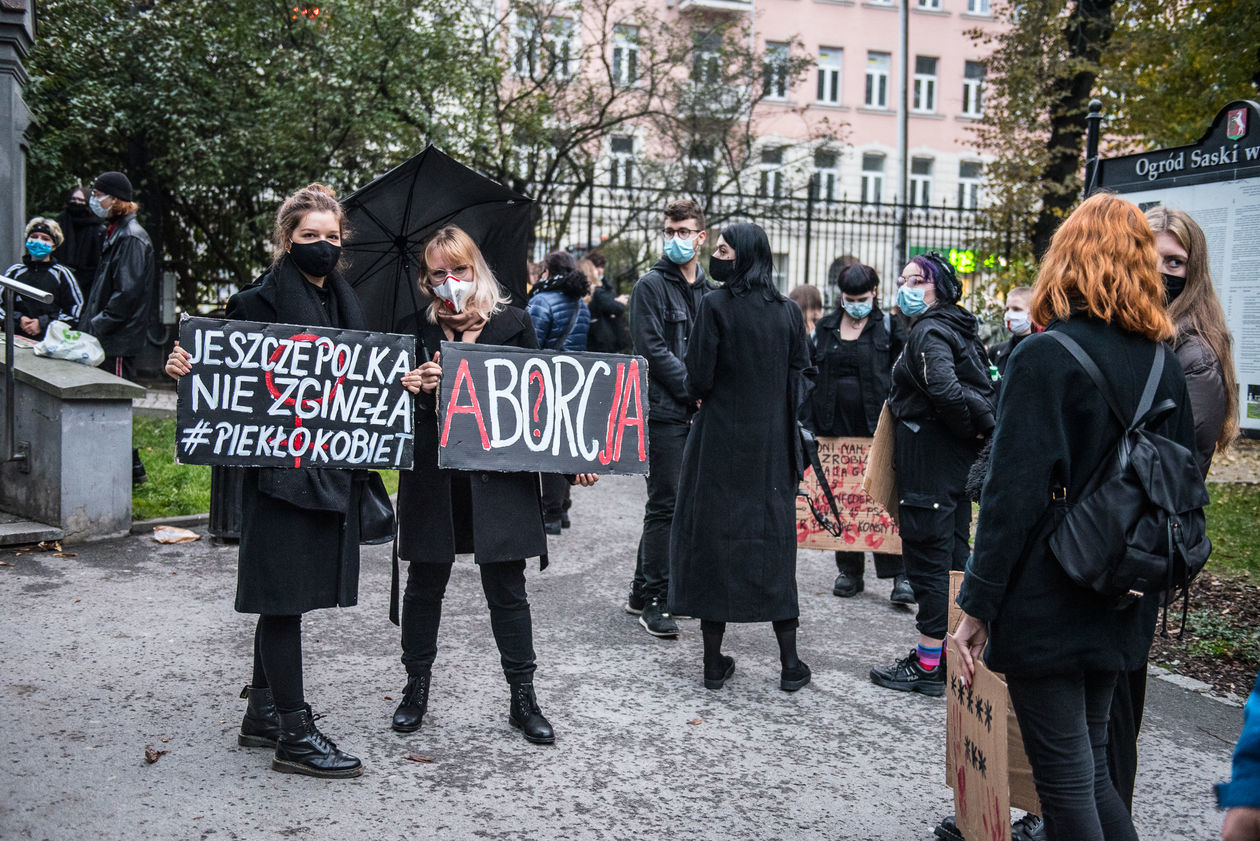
x,y
512,409
975,744
278,395
1021,791
881,472
865,525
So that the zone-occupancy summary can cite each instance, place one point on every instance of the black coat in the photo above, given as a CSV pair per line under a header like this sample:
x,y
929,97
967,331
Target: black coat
x,y
1001,352
608,332
662,311
1205,383
495,516
120,304
732,553
299,546
80,251
1054,426
877,347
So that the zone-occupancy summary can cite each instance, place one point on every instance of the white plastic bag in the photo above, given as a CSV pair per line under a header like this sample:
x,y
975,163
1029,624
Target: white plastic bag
x,y
63,342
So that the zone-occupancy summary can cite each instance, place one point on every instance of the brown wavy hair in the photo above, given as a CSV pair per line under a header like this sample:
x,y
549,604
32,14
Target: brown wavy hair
x,y
1197,310
1102,262
312,197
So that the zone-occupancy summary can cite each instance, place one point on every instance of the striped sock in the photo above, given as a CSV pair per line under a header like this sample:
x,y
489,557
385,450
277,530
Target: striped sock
x,y
929,658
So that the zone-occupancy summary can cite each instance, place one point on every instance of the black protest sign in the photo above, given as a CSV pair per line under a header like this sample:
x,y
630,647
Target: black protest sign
x,y
513,409
277,395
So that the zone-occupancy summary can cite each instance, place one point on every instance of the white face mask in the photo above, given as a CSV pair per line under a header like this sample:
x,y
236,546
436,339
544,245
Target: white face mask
x,y
454,292
1018,322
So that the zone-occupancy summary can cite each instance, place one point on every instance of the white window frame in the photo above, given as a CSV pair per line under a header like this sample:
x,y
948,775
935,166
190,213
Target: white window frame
x,y
978,7
621,169
923,100
969,186
775,70
770,172
830,75
921,182
878,78
706,60
931,5
973,90
826,182
625,56
526,38
873,179
562,46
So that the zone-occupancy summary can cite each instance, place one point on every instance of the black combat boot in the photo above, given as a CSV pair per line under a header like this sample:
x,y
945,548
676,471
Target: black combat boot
x,y
415,702
260,728
527,717
302,749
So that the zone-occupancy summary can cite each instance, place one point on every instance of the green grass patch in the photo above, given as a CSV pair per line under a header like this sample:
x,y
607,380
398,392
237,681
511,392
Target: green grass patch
x,y
1233,523
176,489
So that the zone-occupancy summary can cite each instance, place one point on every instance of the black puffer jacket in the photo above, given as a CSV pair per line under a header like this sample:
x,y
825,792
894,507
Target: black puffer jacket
x,y
117,311
943,374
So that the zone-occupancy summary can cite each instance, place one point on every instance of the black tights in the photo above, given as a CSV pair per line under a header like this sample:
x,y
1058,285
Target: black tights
x,y
784,632
278,660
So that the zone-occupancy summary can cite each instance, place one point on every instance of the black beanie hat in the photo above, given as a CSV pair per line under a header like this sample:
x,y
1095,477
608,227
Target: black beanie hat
x,y
113,184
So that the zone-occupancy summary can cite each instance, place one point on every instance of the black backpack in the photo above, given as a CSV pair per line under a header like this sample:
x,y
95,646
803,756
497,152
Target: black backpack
x,y
1138,526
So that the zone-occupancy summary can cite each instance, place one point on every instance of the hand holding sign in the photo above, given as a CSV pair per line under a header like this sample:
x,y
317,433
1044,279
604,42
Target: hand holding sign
x,y
967,644
425,378
178,363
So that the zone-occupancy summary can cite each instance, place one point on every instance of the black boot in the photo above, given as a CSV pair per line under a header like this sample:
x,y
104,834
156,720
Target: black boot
x,y
260,728
302,749
718,667
415,702
527,717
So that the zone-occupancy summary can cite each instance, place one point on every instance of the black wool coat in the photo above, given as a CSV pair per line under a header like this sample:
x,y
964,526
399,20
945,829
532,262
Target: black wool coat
x,y
495,516
299,547
732,551
1054,426
877,348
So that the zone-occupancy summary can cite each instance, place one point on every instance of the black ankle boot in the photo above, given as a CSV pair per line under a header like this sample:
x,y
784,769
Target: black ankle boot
x,y
302,749
717,673
527,717
415,702
260,728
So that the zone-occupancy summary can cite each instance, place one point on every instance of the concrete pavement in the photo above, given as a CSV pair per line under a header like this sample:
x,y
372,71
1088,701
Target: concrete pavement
x,y
130,642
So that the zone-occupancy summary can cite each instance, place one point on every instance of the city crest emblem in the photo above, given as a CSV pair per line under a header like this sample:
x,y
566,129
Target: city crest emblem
x,y
1236,124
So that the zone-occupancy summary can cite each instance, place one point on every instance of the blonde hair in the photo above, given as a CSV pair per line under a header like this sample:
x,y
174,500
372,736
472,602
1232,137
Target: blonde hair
x,y
314,197
592,274
487,296
54,230
1197,310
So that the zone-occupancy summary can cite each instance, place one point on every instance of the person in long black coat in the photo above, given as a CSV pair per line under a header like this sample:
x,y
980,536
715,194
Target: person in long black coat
x,y
495,516
299,546
733,540
1060,646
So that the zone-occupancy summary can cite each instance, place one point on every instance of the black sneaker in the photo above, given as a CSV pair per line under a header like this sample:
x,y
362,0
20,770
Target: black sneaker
x,y
907,675
552,526
657,621
847,585
902,592
635,602
947,830
1029,828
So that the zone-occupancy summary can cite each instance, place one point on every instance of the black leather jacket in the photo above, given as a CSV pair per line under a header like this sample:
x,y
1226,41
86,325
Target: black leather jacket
x,y
663,309
118,309
878,347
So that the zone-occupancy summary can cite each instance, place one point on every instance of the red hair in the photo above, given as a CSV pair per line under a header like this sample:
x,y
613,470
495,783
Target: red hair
x,y
1102,261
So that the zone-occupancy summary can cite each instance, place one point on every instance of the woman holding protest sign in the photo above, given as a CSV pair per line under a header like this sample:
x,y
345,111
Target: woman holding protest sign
x,y
299,548
733,542
1060,645
441,513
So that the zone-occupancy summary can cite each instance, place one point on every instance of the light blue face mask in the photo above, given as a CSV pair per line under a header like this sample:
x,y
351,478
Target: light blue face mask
x,y
910,301
38,249
97,207
858,310
679,250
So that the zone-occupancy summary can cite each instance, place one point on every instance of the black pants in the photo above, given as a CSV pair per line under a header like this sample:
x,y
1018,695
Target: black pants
x,y
278,660
665,449
854,563
504,586
1127,706
555,496
1063,719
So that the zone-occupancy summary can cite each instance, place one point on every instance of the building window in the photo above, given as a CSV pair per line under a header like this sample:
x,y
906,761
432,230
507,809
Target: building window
x,y
924,84
625,58
826,181
872,178
561,52
776,70
700,169
969,185
934,5
977,7
621,170
830,67
921,181
706,68
525,38
973,90
877,67
771,182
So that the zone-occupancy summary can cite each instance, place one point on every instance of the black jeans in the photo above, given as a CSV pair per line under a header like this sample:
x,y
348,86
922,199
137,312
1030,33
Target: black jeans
x,y
555,495
1063,719
854,563
1127,706
666,441
504,586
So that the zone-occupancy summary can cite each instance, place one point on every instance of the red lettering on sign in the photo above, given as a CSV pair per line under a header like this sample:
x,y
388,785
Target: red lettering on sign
x,y
623,419
462,376
606,455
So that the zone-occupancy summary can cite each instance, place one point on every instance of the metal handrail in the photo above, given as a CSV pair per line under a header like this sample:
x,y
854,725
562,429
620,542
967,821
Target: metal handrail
x,y
12,288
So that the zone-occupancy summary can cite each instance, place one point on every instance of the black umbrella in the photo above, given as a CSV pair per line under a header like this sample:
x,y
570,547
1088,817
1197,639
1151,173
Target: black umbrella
x,y
391,217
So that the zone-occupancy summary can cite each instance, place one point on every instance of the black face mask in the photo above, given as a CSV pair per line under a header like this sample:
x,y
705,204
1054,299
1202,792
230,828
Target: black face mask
x,y
1173,286
315,259
721,270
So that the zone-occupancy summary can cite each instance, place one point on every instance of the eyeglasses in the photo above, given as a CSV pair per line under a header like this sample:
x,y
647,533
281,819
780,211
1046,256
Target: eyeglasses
x,y
685,233
912,280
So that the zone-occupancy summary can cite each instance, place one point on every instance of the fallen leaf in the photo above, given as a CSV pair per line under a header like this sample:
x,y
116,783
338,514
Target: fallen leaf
x,y
411,757
174,534
696,721
165,739
50,546
5,564
151,755
66,555
76,601
388,698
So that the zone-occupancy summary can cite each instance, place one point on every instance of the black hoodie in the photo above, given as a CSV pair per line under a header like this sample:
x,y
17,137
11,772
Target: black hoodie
x,y
943,374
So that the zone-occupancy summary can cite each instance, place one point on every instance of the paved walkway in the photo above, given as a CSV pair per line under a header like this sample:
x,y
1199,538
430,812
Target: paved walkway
x,y
130,643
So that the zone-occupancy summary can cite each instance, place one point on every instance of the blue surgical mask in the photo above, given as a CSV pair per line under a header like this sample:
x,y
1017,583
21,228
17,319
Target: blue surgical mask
x,y
858,310
97,207
679,250
910,301
38,248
